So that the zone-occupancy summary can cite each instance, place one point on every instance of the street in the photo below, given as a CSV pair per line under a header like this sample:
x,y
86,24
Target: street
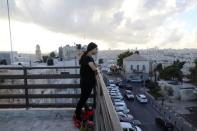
x,y
142,112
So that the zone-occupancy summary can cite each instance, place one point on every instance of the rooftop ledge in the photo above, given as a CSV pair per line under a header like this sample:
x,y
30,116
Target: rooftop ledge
x,y
106,118
36,120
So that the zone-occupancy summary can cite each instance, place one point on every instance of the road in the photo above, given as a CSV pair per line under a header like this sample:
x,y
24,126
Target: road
x,y
143,112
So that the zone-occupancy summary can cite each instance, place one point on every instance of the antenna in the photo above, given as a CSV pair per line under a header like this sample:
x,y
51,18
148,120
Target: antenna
x,y
10,32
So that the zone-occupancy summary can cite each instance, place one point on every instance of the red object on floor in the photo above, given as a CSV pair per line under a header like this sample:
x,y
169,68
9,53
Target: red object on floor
x,y
77,123
87,114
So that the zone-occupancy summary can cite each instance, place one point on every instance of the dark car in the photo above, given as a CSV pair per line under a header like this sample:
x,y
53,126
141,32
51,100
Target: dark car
x,y
128,87
164,124
121,84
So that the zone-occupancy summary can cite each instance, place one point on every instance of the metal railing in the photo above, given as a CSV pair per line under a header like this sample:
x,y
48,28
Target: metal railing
x,y
25,76
106,118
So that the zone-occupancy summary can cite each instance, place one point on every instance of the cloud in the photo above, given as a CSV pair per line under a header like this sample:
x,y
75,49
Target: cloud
x,y
104,20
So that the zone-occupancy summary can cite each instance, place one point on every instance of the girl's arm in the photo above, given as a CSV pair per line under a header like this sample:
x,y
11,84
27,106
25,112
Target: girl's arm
x,y
92,66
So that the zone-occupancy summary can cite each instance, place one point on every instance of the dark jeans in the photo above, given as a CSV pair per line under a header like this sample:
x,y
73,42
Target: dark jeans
x,y
86,89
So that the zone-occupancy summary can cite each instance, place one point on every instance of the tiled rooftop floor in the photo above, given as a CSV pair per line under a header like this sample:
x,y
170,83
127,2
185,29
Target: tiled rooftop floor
x,y
36,120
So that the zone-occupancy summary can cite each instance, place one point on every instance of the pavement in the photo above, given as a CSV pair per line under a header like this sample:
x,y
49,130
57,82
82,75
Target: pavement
x,y
36,120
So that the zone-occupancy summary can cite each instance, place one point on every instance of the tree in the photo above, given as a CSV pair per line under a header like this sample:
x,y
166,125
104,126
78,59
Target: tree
x,y
173,72
159,67
193,73
101,61
122,56
50,61
52,54
3,62
45,58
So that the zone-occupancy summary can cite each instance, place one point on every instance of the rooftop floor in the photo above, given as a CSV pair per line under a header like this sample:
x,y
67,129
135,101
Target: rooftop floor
x,y
36,120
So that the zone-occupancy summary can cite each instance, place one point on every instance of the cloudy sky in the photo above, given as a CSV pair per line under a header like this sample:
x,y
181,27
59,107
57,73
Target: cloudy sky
x,y
115,24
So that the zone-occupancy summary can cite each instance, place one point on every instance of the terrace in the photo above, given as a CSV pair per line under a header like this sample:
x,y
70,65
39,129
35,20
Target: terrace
x,y
21,111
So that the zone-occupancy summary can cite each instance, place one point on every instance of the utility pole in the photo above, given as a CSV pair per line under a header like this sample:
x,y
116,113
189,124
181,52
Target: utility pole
x,y
10,32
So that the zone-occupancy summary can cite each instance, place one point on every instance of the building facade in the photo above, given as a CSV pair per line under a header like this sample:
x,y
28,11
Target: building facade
x,y
136,64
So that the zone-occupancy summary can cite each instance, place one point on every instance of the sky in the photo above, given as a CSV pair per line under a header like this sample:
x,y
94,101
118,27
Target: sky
x,y
112,24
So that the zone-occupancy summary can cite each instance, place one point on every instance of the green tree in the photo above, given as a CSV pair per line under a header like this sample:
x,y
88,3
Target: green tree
x,y
52,54
159,67
193,73
173,72
122,56
101,61
45,58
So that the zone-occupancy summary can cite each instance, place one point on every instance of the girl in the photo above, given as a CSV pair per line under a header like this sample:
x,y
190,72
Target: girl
x,y
88,72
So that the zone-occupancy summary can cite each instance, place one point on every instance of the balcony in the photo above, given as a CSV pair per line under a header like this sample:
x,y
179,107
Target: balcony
x,y
21,109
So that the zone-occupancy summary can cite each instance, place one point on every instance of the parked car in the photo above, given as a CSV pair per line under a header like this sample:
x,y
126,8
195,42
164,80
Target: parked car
x,y
125,115
114,93
114,89
117,97
122,109
136,122
141,98
116,104
112,85
128,87
117,100
129,94
122,84
129,127
111,81
164,124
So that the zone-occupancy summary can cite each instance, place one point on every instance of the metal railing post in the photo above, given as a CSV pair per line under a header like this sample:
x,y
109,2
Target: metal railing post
x,y
26,88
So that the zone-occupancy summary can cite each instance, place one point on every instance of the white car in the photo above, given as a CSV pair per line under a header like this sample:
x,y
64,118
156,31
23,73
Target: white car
x,y
122,109
129,94
117,97
126,126
141,98
120,104
125,115
115,94
111,81
129,127
117,100
112,91
112,85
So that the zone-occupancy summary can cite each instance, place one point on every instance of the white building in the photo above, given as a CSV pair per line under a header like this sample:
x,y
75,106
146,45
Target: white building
x,y
69,52
181,91
6,55
136,64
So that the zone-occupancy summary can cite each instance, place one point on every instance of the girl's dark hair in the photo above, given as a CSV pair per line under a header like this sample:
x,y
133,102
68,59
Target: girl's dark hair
x,y
90,47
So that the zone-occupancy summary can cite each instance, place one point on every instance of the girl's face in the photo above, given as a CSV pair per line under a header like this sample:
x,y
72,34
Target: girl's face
x,y
94,51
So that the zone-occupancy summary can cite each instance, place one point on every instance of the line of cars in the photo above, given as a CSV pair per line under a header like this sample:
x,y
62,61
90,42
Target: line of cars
x,y
127,120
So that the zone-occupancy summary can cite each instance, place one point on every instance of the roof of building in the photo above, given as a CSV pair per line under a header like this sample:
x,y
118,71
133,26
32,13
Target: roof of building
x,y
135,57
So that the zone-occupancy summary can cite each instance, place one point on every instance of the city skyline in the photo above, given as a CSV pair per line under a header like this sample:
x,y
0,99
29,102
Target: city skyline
x,y
113,24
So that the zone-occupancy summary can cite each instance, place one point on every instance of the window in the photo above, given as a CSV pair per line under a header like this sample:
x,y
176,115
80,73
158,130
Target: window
x,y
144,68
131,67
138,67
